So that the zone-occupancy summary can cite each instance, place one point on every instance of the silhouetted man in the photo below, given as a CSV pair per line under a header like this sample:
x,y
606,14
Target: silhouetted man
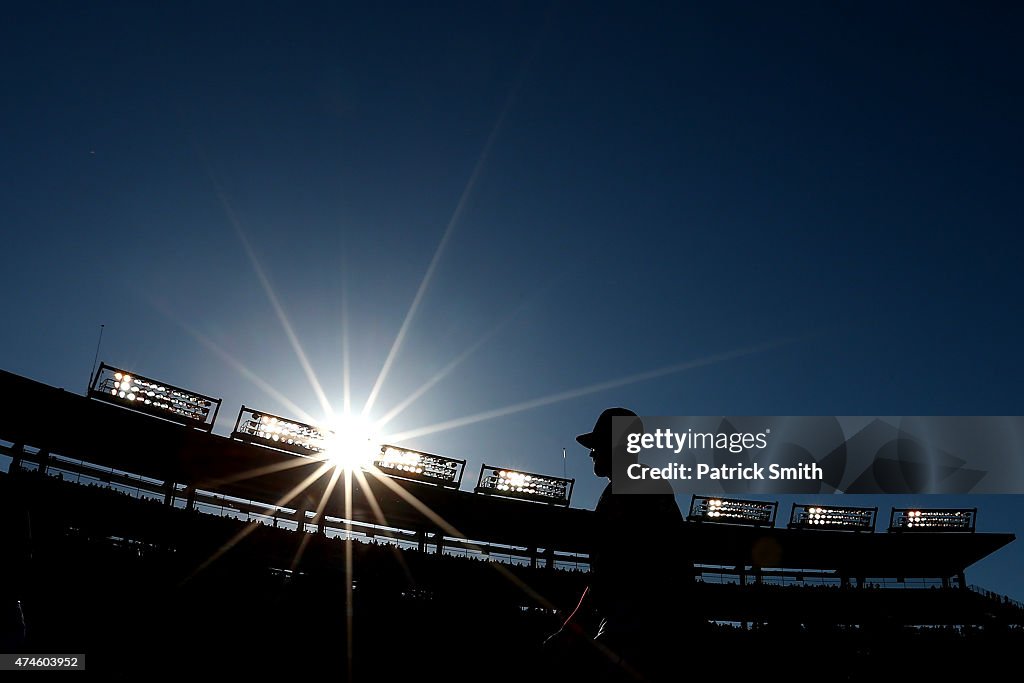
x,y
639,576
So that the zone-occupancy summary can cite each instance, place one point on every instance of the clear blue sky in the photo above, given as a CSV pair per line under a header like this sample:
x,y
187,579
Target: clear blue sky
x,y
622,189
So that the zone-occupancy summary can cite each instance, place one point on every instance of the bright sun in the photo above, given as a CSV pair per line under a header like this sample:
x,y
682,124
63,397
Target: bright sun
x,y
353,443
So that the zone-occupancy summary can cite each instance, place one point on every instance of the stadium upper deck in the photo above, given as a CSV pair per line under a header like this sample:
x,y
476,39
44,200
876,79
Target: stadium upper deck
x,y
59,422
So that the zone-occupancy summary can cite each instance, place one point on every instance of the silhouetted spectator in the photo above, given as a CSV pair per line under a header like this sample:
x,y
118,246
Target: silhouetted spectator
x,y
640,580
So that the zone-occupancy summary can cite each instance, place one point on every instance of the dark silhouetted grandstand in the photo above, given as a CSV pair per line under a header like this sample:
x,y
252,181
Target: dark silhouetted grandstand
x,y
155,545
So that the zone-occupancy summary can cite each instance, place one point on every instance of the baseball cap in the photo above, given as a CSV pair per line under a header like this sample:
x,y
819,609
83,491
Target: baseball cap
x,y
602,431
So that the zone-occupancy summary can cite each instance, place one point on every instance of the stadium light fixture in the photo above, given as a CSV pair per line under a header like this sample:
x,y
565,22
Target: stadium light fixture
x,y
508,483
946,519
834,517
418,466
145,395
732,511
273,431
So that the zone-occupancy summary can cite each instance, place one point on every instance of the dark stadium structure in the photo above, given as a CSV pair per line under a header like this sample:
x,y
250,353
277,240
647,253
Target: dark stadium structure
x,y
152,544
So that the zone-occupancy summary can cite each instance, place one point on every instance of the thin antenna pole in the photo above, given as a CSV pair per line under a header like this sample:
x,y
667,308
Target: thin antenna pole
x,y
564,475
92,370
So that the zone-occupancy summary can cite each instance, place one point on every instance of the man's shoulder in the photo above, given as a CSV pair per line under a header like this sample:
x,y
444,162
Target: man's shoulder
x,y
659,505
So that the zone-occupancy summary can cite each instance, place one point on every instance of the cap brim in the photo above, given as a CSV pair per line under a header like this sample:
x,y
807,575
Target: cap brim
x,y
586,440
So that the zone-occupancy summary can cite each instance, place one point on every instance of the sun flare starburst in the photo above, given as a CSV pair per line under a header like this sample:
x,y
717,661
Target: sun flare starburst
x,y
352,442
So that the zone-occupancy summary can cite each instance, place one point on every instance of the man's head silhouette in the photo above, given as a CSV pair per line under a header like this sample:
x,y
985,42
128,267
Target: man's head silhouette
x,y
600,439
